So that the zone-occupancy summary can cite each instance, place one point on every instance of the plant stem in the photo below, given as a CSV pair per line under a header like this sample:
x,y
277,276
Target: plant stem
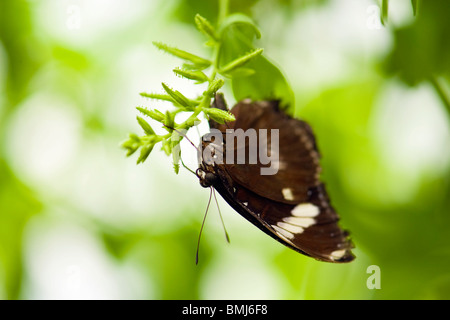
x,y
384,11
223,11
415,5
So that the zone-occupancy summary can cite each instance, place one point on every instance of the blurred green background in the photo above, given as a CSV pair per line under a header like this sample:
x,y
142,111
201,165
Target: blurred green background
x,y
79,220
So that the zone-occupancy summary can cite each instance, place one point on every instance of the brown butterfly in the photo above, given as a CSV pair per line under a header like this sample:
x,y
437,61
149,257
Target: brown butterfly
x,y
290,204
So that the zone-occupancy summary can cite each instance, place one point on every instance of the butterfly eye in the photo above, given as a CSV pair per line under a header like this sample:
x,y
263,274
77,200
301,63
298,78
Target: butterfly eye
x,y
207,179
200,173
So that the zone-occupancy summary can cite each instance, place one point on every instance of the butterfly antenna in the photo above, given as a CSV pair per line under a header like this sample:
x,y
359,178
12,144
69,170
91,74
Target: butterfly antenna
x,y
187,168
203,223
198,131
221,218
183,135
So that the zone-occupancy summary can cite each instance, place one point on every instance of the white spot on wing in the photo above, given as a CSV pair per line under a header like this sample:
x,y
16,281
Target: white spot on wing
x,y
245,203
305,210
299,221
287,194
338,254
290,227
283,233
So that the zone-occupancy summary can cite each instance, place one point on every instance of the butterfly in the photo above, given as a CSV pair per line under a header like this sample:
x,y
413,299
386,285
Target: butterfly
x,y
291,204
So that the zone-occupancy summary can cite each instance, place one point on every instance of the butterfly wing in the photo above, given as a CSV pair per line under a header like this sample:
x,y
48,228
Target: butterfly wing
x,y
310,228
291,206
297,158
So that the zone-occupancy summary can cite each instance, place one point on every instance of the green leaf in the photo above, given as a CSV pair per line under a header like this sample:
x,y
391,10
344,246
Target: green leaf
x,y
233,65
220,116
169,121
154,114
192,75
131,146
176,167
145,152
178,97
240,72
421,49
144,124
167,147
239,19
157,96
196,60
189,123
215,86
266,83
205,27
190,66
192,121
134,137
166,97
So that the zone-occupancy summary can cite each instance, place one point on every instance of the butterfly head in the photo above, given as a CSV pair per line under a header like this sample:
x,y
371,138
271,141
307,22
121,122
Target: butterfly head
x,y
211,153
207,179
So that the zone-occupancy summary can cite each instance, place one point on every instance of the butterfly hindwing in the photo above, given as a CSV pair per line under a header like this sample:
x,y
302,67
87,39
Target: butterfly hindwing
x,y
310,228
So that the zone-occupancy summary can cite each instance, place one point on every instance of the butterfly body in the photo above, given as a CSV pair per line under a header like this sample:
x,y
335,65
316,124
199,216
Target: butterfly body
x,y
289,204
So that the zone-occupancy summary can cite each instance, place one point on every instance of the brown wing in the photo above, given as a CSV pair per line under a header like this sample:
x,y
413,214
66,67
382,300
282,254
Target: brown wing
x,y
291,206
298,158
310,228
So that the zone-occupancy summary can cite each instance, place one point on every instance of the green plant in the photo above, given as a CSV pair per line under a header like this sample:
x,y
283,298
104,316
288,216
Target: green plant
x,y
193,68
233,58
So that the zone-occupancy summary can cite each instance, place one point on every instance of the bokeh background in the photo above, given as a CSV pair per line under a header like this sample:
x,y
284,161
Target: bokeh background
x,y
79,220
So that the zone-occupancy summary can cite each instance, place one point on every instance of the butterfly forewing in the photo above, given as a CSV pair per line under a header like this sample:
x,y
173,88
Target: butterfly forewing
x,y
297,161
